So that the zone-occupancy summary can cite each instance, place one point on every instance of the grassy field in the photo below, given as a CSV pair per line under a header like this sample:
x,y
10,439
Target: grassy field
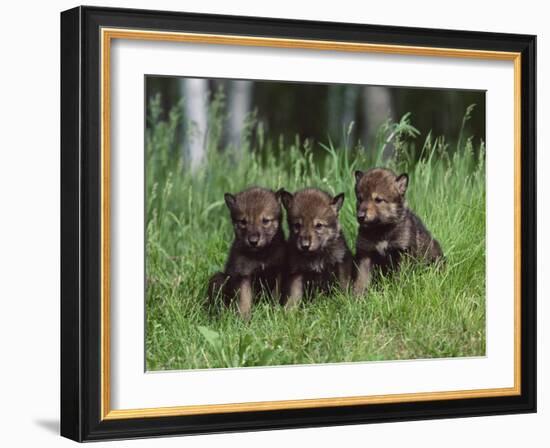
x,y
417,313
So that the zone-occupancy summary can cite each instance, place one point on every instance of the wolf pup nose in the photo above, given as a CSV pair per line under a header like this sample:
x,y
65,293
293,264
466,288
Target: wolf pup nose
x,y
387,227
317,251
257,255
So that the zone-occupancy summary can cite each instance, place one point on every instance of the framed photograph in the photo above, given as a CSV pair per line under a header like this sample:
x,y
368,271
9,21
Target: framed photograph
x,y
276,224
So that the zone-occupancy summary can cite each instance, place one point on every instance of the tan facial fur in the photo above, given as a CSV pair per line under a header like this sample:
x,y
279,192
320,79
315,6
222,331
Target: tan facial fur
x,y
380,196
256,216
312,218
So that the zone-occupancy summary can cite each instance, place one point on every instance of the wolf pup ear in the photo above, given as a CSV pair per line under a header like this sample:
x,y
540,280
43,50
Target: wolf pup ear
x,y
337,202
279,194
286,198
358,175
230,200
402,182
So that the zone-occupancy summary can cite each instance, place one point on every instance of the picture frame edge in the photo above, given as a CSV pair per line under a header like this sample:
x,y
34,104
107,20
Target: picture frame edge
x,y
80,257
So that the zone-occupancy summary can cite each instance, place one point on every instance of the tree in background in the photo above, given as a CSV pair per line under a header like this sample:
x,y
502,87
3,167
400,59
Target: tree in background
x,y
194,92
239,105
377,108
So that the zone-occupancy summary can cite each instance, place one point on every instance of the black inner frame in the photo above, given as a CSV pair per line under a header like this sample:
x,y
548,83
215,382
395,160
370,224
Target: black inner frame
x,y
81,221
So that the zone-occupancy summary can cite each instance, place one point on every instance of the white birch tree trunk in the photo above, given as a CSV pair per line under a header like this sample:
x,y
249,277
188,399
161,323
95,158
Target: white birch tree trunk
x,y
377,108
194,92
239,103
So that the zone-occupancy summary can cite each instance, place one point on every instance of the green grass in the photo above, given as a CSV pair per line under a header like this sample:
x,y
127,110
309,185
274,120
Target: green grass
x,y
416,313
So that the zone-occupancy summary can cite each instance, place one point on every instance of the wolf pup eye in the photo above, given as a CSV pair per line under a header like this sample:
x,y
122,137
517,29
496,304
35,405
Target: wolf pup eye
x,y
318,226
296,226
265,221
242,222
379,200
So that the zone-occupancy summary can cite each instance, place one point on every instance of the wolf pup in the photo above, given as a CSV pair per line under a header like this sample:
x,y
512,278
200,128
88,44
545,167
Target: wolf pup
x,y
257,255
388,229
317,253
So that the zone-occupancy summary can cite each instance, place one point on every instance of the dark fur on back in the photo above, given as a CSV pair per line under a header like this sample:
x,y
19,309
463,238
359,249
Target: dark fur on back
x,y
257,255
388,229
318,255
